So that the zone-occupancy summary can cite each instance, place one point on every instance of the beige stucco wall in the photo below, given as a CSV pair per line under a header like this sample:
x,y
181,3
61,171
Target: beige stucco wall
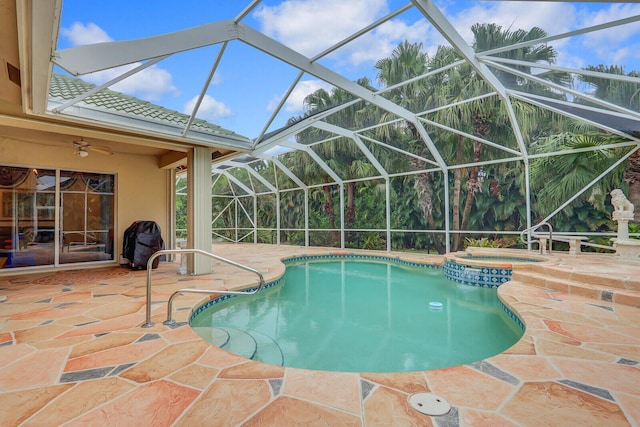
x,y
141,186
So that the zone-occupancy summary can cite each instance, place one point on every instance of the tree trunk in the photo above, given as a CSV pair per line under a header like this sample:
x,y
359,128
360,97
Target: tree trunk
x,y
351,211
457,191
632,176
351,208
480,130
422,185
328,209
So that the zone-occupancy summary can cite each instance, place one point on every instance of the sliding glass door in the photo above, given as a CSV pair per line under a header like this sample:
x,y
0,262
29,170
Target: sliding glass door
x,y
51,217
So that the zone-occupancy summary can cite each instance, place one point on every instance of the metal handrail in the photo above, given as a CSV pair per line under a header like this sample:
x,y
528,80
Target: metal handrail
x,y
169,320
530,231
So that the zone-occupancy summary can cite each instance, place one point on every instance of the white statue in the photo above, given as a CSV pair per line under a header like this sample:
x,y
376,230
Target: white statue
x,y
620,202
626,248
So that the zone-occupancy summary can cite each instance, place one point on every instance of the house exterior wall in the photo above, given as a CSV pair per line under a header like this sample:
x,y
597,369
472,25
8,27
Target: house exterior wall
x,y
141,186
8,53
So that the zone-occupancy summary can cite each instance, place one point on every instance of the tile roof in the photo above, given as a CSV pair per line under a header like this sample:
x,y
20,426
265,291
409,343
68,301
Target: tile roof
x,y
64,88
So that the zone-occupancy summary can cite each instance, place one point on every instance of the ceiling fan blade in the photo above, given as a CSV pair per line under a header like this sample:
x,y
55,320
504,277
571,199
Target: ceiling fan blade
x,y
102,150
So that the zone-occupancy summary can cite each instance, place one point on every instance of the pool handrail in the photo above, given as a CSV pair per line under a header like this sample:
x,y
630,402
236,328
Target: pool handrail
x,y
148,323
530,232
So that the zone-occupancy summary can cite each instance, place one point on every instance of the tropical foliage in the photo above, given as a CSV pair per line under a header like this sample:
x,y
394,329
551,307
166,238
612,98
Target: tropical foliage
x,y
462,139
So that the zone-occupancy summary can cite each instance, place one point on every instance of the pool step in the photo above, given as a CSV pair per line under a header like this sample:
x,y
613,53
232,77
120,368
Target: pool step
x,y
216,336
617,290
240,342
252,345
267,351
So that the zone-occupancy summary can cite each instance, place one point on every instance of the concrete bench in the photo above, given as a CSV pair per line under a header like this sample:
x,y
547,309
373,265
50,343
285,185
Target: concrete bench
x,y
574,242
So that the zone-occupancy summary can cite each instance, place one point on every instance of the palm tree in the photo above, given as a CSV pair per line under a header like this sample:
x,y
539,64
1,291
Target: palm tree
x,y
624,94
406,62
484,114
559,177
479,117
341,154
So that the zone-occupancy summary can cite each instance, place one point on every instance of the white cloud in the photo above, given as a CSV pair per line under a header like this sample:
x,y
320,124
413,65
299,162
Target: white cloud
x,y
310,26
517,15
295,102
617,45
210,108
150,84
383,40
613,13
80,34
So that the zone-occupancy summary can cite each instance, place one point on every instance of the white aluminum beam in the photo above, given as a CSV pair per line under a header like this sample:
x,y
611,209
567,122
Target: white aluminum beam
x,y
288,172
354,137
568,90
260,178
298,127
247,10
107,84
539,101
196,107
607,76
295,59
422,76
632,143
85,59
276,111
430,145
473,138
317,159
573,116
363,31
455,104
548,39
449,32
238,183
401,151
586,187
90,58
369,155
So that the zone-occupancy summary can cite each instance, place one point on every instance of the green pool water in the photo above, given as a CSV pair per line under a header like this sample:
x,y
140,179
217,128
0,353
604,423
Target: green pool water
x,y
354,316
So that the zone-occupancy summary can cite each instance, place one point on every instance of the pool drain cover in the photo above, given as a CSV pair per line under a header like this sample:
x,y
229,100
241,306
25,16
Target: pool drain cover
x,y
429,404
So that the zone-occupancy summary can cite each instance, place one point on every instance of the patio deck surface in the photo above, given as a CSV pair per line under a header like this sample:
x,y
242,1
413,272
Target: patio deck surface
x,y
73,352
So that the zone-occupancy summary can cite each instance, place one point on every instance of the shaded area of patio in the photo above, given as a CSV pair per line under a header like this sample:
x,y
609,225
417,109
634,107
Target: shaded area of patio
x,y
72,352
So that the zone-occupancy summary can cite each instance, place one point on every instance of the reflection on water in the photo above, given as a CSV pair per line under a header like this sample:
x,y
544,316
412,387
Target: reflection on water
x,y
372,317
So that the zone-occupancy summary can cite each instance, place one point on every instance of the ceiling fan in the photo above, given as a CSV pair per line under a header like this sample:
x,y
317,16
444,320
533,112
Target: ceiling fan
x,y
82,148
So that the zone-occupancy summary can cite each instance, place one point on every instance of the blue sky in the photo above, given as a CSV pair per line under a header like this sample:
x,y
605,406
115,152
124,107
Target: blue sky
x,y
248,83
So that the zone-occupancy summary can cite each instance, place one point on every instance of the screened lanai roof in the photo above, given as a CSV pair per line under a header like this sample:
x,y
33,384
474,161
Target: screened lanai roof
x,y
108,106
249,66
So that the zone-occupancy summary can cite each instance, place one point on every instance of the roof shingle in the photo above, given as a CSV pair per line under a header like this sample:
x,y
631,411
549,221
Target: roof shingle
x,y
64,88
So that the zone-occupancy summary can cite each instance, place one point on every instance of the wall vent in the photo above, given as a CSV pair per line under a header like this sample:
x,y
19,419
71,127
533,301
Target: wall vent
x,y
14,73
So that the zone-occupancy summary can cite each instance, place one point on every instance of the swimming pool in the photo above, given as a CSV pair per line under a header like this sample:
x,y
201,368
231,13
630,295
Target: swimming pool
x,y
361,316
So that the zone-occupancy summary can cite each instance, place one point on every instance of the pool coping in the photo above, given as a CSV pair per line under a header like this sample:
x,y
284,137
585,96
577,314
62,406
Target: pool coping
x,y
577,362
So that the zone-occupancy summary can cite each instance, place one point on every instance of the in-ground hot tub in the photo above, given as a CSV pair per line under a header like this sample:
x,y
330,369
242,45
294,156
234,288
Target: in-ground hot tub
x,y
488,268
